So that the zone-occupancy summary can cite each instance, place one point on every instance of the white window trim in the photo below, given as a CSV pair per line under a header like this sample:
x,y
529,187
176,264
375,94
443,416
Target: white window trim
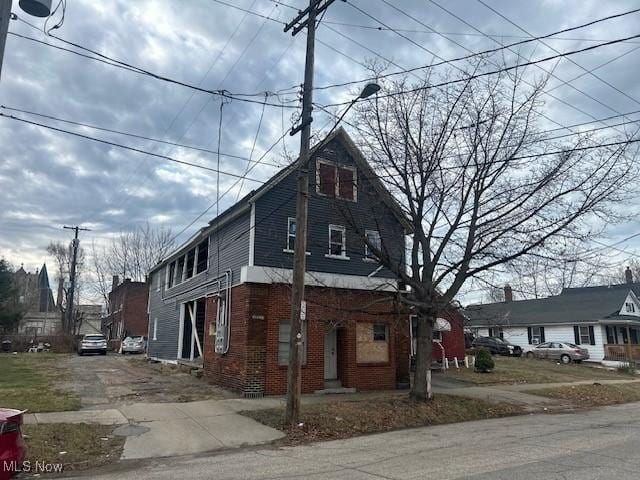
x,y
343,230
366,257
290,220
582,335
159,281
534,336
155,328
336,193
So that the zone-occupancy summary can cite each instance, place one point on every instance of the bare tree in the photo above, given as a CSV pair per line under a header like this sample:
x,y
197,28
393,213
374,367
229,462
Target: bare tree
x,y
63,256
480,185
130,255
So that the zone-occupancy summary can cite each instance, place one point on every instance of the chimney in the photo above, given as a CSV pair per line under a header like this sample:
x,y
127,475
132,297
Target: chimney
x,y
628,275
127,280
114,282
508,293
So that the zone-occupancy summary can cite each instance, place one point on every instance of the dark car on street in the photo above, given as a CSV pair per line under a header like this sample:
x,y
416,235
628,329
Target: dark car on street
x,y
497,346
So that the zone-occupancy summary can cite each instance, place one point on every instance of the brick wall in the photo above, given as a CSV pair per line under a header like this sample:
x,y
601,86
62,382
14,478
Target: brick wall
x,y
128,303
229,369
251,365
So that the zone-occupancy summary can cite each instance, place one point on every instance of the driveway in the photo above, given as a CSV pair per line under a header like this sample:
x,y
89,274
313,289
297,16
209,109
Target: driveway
x,y
592,445
114,379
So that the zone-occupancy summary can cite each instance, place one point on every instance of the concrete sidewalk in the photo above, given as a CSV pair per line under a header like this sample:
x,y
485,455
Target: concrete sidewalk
x,y
166,429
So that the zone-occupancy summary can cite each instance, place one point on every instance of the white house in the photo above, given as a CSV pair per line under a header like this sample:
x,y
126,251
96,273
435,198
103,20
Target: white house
x,y
604,319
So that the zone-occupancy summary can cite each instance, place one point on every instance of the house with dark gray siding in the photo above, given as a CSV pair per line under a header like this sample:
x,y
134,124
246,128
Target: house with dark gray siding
x,y
222,300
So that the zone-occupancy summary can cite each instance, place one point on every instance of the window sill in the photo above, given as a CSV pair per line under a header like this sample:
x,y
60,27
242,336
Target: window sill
x,y
337,257
370,260
286,250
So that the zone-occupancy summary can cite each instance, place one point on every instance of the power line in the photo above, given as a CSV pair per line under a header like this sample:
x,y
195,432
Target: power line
x,y
126,147
133,135
501,48
119,64
472,54
493,72
570,59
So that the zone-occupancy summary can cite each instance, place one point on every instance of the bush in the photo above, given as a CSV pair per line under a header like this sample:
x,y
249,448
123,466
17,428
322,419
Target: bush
x,y
484,361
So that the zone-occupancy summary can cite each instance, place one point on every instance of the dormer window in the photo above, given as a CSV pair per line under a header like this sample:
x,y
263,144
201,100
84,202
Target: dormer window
x,y
339,181
630,307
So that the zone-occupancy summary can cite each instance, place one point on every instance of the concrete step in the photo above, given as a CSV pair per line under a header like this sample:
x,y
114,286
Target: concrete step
x,y
329,391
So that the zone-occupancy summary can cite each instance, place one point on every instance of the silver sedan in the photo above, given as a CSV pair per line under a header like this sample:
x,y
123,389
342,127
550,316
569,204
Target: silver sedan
x,y
563,351
133,344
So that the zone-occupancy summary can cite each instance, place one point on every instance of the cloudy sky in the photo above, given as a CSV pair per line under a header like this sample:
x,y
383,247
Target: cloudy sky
x,y
49,179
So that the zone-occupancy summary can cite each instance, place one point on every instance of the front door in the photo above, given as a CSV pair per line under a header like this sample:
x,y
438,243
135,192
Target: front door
x,y
330,355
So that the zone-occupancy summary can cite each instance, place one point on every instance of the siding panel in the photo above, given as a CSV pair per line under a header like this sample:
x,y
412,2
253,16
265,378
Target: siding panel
x,y
369,212
165,304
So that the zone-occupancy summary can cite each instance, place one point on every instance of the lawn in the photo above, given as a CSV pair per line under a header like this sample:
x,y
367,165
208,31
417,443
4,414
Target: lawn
x,y
594,395
524,370
75,446
344,419
28,381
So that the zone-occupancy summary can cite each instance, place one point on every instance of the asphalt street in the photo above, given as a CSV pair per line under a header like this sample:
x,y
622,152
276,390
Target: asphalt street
x,y
592,445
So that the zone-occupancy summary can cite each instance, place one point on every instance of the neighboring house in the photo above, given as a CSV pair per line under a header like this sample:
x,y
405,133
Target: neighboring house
x,y
128,315
222,300
448,336
90,317
604,319
42,317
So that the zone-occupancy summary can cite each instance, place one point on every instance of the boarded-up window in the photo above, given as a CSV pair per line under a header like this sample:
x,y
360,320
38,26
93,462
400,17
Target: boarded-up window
x,y
283,343
326,179
346,183
368,349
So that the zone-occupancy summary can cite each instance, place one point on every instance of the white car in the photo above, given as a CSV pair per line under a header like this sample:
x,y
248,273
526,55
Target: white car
x,y
93,343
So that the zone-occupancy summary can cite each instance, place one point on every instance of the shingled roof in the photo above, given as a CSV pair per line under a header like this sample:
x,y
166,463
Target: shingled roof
x,y
573,305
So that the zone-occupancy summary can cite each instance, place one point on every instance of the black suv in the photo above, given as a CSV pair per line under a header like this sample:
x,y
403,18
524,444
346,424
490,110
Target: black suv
x,y
497,346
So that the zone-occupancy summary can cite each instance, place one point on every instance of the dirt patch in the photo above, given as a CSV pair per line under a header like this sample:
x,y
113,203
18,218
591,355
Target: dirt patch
x,y
524,370
115,379
76,446
328,421
594,395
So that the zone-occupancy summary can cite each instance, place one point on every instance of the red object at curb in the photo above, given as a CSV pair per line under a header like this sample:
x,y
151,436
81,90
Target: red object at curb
x,y
12,447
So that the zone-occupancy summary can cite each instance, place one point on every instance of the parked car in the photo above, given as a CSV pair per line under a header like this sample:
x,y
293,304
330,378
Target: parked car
x,y
498,346
93,343
133,344
12,447
563,351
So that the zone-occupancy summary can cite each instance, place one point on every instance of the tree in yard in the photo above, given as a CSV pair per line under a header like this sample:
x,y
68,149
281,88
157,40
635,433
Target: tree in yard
x,y
63,256
11,311
480,184
130,255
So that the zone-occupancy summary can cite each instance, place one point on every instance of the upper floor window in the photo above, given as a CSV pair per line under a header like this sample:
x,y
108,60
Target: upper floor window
x,y
172,274
337,241
630,307
291,233
180,271
338,181
203,256
374,238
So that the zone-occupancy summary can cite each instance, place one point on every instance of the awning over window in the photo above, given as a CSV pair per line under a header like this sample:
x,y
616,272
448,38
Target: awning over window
x,y
442,325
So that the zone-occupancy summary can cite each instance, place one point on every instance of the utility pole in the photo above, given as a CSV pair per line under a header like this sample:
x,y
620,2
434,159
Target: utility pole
x,y
302,201
5,16
74,258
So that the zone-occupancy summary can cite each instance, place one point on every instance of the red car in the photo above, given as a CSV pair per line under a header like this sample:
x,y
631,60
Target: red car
x,y
12,447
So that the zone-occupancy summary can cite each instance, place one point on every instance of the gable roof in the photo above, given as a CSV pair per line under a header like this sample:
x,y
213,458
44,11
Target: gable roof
x,y
245,202
573,305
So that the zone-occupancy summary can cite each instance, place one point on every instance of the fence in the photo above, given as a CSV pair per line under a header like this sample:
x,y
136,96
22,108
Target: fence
x,y
59,343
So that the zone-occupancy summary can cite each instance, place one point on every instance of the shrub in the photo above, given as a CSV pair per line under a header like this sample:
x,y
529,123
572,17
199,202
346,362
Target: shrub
x,y
484,361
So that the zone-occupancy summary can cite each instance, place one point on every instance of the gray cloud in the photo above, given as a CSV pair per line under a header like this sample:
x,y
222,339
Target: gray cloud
x,y
48,179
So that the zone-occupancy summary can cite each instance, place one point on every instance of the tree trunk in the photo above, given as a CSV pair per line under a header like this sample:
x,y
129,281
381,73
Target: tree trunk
x,y
421,388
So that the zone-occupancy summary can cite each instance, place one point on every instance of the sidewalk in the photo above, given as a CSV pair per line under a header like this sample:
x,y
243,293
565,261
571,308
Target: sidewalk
x,y
168,429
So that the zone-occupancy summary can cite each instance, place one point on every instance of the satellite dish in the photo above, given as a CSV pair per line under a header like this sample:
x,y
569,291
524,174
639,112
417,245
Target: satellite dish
x,y
37,8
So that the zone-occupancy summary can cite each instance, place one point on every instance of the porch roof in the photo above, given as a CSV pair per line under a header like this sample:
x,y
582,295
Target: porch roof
x,y
584,305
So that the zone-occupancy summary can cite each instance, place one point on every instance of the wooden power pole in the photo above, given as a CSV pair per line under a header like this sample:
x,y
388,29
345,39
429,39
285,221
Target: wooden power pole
x,y
72,287
299,256
5,15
